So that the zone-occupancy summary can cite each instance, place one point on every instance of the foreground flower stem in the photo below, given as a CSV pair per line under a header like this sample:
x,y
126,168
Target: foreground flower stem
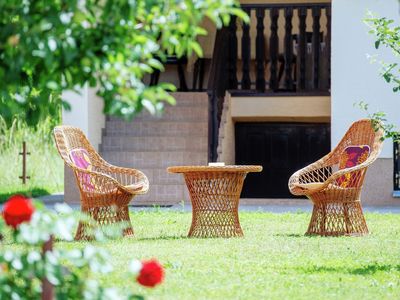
x,y
47,287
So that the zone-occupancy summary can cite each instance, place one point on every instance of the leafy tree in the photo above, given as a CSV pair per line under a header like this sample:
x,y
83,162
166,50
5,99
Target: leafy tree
x,y
387,34
47,47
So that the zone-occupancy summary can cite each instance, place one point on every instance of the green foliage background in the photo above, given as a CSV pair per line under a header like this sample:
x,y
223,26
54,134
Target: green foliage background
x,y
47,47
387,34
44,166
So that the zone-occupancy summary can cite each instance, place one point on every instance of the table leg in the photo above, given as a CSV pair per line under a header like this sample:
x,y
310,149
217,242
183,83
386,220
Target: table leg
x,y
215,201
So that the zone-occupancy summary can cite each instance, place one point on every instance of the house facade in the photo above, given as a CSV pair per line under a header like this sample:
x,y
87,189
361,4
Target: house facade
x,y
279,91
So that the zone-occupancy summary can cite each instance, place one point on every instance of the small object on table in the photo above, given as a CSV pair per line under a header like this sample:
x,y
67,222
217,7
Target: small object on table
x,y
215,192
216,164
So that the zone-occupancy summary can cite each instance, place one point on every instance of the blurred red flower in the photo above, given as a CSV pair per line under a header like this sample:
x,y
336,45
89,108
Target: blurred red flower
x,y
17,209
151,274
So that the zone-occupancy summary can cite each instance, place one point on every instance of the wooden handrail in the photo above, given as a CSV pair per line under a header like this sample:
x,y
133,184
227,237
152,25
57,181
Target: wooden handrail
x,y
285,5
217,85
296,70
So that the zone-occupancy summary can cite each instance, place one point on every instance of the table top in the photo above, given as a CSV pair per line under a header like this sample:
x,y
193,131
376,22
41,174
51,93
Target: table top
x,y
231,168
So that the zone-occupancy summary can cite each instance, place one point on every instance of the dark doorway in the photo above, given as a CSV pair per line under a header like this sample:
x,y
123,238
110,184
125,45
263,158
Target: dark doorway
x,y
281,148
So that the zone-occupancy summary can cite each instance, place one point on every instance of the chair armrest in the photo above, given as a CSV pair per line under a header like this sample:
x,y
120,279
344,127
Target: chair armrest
x,y
92,181
295,181
317,172
126,177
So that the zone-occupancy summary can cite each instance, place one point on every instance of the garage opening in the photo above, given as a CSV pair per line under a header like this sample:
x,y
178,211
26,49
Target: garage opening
x,y
281,148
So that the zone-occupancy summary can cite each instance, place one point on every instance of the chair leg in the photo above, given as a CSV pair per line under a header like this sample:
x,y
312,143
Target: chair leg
x,y
347,221
336,219
84,228
123,217
104,216
81,233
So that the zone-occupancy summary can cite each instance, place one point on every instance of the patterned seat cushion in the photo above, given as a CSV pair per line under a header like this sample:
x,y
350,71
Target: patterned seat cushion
x,y
352,156
80,158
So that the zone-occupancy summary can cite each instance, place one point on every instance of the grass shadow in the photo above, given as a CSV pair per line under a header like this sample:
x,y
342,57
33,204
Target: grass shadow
x,y
373,268
35,192
291,235
364,270
164,238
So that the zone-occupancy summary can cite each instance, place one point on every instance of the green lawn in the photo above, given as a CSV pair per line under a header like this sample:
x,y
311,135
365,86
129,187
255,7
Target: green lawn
x,y
44,166
273,261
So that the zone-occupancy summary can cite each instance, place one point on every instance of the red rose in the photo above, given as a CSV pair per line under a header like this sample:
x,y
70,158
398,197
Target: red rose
x,y
151,274
17,210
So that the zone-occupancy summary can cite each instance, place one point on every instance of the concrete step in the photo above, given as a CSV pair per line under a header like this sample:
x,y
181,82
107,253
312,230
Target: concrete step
x,y
150,128
191,99
155,159
151,143
172,113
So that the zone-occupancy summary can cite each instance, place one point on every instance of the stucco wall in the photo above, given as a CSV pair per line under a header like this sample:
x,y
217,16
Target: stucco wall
x,y
354,78
307,108
86,113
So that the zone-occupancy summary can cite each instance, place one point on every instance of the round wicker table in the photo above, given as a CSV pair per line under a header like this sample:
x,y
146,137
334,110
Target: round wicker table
x,y
215,192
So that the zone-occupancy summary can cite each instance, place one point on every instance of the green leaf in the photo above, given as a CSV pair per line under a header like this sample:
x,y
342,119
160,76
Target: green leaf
x,y
197,48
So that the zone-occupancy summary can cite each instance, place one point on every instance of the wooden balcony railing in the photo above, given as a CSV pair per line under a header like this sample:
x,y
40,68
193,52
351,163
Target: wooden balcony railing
x,y
284,49
289,52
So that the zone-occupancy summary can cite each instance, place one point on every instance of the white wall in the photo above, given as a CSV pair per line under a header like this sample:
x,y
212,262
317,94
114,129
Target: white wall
x,y
86,113
354,77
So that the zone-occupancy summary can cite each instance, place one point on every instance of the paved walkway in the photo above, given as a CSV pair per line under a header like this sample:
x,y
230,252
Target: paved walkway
x,y
274,206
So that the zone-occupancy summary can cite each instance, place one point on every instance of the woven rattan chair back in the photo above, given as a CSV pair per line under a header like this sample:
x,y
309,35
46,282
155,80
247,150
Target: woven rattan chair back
x,y
362,132
70,138
337,208
105,190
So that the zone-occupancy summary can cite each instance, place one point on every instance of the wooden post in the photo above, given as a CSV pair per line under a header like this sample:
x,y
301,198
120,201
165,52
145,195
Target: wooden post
x,y
246,50
316,44
260,51
232,55
302,44
47,287
274,49
288,48
328,11
24,153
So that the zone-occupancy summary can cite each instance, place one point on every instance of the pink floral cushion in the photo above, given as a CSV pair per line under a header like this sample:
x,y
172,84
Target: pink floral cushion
x,y
352,156
80,158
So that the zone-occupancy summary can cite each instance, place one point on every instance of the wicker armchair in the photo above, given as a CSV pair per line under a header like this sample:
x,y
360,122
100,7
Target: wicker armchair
x,y
105,190
337,208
